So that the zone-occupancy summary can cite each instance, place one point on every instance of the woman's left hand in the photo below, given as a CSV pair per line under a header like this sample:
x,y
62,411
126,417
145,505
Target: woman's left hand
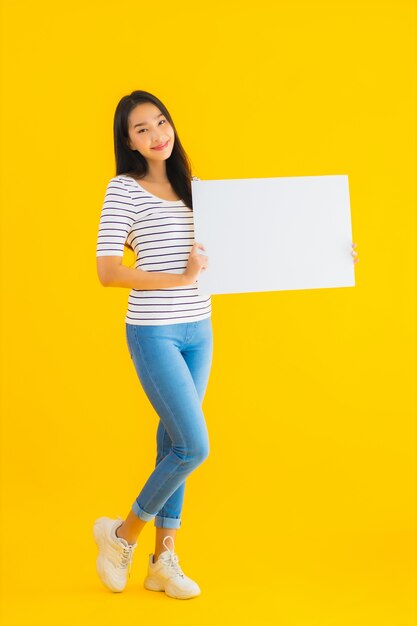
x,y
354,253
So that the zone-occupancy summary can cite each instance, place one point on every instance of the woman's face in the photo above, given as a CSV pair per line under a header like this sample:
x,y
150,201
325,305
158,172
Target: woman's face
x,y
148,128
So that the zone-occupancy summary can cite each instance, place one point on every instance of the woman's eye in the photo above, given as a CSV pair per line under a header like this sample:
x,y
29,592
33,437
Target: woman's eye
x,y
146,128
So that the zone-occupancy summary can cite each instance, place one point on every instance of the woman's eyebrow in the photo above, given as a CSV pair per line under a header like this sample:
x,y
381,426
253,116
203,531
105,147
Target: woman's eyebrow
x,y
144,123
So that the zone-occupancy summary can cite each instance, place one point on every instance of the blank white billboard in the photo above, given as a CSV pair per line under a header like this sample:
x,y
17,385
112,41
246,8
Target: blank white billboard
x,y
274,234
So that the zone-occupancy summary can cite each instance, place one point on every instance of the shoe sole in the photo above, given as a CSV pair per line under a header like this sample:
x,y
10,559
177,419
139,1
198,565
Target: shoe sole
x,y
152,585
98,532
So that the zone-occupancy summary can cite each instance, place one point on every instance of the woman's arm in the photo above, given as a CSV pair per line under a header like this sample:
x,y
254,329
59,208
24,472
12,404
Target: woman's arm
x,y
112,273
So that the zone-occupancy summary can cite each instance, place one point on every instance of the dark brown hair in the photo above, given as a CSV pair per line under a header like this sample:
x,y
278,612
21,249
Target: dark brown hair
x,y
132,163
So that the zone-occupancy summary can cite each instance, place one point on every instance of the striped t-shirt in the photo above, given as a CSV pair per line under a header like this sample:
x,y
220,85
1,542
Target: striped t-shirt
x,y
161,233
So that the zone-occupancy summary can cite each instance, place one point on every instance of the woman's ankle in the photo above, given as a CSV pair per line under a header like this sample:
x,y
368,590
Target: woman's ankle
x,y
122,535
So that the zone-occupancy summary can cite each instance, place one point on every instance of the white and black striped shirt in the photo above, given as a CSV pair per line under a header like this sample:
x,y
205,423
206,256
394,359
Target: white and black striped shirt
x,y
161,233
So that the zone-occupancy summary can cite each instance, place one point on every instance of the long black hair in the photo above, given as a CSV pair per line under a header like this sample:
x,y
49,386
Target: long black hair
x,y
132,163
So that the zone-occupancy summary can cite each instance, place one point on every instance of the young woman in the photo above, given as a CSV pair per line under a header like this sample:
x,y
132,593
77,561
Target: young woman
x,y
148,207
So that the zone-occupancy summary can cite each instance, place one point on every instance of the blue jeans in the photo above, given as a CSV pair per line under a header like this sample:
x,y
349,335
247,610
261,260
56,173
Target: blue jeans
x,y
173,363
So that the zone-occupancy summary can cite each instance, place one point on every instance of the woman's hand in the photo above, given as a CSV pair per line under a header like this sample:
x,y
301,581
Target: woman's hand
x,y
196,263
354,253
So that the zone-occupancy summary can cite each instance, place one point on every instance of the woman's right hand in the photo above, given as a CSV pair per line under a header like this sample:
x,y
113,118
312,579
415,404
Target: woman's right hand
x,y
196,263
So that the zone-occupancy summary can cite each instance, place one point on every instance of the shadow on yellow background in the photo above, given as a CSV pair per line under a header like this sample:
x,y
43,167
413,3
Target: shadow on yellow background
x,y
304,513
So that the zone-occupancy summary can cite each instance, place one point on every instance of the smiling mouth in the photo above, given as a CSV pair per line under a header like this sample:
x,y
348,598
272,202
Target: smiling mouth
x,y
160,147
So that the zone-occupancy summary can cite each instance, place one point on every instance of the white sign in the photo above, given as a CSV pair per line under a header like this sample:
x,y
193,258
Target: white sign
x,y
274,234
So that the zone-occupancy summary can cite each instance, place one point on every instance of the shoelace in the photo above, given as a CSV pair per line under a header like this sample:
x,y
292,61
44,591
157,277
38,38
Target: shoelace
x,y
172,560
173,563
126,554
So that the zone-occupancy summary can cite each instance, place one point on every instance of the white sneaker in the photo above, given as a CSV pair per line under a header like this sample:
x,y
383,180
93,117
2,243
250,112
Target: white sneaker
x,y
115,554
167,575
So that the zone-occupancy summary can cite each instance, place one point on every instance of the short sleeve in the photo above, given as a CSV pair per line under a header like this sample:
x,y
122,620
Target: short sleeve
x,y
117,216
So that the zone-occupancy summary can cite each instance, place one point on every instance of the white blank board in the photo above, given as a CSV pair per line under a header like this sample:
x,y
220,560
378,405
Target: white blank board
x,y
274,234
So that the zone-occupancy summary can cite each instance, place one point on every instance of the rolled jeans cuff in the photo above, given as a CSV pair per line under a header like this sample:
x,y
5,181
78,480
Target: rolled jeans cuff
x,y
160,522
139,512
167,522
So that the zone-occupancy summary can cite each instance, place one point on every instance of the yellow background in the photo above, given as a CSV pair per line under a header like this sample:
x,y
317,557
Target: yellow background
x,y
304,514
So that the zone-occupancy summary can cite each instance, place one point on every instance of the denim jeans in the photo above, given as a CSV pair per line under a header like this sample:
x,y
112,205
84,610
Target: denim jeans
x,y
173,363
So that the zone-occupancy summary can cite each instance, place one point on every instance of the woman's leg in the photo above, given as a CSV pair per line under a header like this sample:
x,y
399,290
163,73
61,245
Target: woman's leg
x,y
174,502
198,356
131,528
169,385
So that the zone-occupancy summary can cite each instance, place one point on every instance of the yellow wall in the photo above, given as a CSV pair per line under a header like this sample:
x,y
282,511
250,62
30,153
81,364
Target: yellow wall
x,y
304,513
